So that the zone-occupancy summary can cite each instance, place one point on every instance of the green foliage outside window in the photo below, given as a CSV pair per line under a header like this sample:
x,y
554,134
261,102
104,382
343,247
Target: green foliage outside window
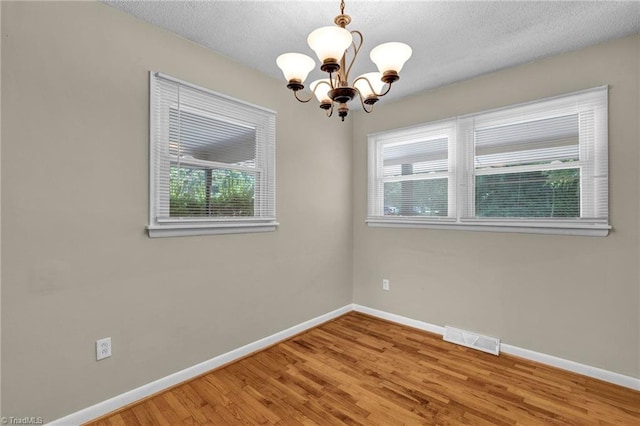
x,y
217,193
538,194
552,193
416,198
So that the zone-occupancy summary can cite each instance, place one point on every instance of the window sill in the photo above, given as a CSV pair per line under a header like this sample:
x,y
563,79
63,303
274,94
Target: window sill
x,y
193,229
590,229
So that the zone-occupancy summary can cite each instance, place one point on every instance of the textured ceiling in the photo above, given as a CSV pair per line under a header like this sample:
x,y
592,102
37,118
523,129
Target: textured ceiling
x,y
451,40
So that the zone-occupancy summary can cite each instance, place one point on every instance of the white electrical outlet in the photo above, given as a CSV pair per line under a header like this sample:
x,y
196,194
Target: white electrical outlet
x,y
385,284
103,348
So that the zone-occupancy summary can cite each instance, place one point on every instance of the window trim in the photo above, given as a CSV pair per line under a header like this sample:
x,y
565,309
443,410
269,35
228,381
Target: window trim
x,y
464,172
174,227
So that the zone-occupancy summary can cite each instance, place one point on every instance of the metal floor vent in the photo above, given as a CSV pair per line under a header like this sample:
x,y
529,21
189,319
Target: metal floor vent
x,y
472,340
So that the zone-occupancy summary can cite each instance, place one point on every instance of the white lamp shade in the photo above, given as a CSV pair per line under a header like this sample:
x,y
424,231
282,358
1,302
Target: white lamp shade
x,y
322,92
390,56
295,66
329,42
364,88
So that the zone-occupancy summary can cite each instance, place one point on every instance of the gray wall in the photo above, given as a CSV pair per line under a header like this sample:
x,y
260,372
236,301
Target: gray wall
x,y
572,297
77,264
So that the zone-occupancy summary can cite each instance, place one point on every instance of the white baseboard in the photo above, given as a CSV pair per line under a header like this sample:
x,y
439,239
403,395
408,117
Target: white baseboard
x,y
399,319
156,386
576,367
586,370
119,401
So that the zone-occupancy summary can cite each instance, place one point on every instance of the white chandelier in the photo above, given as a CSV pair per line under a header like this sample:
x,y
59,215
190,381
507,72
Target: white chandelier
x,y
332,45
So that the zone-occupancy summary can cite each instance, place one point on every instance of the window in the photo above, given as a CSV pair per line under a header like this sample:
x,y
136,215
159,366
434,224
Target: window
x,y
537,167
413,176
212,166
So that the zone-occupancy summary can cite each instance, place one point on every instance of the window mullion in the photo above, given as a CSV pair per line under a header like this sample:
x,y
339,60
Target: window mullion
x,y
465,168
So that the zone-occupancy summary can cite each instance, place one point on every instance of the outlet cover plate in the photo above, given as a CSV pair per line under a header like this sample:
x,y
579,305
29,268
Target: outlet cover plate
x,y
103,348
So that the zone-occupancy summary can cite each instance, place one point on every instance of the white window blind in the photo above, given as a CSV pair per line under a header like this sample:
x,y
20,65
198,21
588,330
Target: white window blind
x,y
212,162
413,173
535,167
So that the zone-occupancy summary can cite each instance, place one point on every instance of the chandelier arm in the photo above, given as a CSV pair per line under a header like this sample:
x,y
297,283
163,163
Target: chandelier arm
x,y
356,50
313,92
386,91
304,101
364,106
379,95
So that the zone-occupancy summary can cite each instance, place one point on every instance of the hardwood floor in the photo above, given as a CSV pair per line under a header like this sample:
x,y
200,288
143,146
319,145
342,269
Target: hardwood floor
x,y
362,370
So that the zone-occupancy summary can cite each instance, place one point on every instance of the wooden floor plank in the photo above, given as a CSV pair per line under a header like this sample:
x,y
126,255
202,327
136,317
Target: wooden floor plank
x,y
360,370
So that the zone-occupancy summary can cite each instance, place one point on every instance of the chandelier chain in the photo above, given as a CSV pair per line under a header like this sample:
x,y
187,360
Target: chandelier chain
x,y
342,7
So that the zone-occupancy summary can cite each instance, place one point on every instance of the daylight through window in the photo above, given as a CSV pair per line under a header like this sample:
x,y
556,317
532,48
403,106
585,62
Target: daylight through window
x,y
536,167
